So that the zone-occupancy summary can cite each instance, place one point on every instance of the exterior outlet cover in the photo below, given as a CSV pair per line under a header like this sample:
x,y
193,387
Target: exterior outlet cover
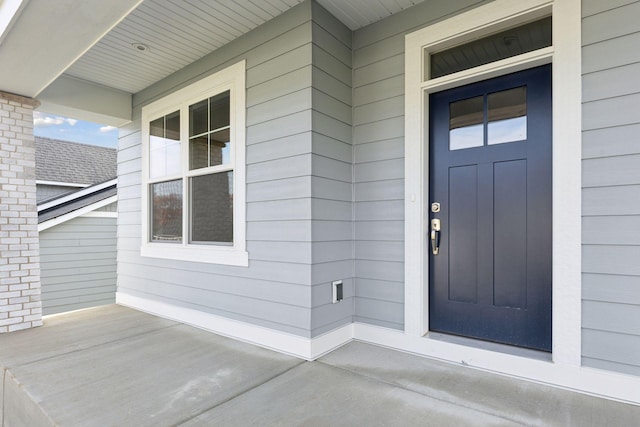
x,y
337,291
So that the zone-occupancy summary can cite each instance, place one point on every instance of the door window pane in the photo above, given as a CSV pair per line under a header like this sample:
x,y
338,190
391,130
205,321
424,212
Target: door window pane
x,y
212,208
507,116
164,146
466,123
166,211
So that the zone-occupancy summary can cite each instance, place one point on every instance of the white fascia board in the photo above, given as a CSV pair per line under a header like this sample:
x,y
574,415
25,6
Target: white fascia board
x,y
78,212
57,36
61,184
76,195
100,214
9,12
73,97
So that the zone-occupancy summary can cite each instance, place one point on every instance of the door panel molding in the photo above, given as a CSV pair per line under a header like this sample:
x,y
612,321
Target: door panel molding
x,y
492,278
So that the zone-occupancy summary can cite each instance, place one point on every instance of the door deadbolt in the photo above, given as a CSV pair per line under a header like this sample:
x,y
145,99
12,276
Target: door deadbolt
x,y
435,207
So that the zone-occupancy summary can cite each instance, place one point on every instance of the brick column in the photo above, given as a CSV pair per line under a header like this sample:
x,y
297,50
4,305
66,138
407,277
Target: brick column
x,y
20,305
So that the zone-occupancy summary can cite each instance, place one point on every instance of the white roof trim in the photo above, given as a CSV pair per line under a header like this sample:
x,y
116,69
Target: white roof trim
x,y
78,212
101,214
77,194
61,184
9,9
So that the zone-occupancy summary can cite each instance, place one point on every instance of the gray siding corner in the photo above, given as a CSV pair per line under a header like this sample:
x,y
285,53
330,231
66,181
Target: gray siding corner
x,y
331,185
611,186
378,139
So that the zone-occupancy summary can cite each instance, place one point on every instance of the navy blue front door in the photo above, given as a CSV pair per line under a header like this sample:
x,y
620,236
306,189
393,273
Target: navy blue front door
x,y
490,194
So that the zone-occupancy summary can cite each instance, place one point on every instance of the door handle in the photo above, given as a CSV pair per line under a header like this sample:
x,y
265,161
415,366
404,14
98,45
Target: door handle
x,y
435,236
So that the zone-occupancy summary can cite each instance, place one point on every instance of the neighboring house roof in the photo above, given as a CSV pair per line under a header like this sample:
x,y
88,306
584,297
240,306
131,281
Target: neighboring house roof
x,y
71,162
69,206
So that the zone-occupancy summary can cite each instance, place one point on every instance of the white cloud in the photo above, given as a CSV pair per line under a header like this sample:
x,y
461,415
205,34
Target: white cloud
x,y
42,119
107,128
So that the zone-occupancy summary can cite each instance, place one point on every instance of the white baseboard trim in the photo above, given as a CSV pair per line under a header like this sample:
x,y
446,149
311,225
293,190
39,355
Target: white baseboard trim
x,y
609,385
304,348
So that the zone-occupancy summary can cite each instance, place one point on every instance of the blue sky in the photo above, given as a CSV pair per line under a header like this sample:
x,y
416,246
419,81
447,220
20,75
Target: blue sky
x,y
68,129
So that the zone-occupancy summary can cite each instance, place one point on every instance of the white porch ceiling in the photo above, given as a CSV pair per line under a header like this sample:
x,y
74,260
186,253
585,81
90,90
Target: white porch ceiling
x,y
178,32
78,56
44,37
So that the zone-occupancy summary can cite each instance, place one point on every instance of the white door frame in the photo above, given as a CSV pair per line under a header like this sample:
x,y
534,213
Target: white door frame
x,y
565,55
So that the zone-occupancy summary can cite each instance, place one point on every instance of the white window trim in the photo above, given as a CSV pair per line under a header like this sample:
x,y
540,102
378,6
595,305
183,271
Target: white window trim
x,y
231,78
565,55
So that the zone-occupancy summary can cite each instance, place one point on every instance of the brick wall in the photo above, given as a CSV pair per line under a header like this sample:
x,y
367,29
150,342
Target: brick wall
x,y
20,305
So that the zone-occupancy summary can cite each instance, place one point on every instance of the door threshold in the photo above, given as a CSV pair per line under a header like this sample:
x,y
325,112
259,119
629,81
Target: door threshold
x,y
491,346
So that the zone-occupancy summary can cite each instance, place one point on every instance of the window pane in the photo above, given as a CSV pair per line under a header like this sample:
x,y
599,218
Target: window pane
x,y
199,118
164,146
466,123
212,208
173,126
507,116
156,127
166,211
512,42
220,148
198,152
220,111
206,117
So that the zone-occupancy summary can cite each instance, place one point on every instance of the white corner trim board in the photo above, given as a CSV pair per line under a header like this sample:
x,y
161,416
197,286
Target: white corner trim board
x,y
282,342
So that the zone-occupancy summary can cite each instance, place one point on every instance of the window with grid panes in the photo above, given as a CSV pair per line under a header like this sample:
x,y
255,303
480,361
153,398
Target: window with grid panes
x,y
194,171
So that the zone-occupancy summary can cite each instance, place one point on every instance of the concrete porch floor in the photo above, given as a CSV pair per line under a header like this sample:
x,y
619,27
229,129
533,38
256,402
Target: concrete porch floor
x,y
113,366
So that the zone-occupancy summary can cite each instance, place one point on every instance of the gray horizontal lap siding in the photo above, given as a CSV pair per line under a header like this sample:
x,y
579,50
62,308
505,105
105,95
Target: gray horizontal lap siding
x,y
112,207
78,264
331,186
611,186
378,138
275,291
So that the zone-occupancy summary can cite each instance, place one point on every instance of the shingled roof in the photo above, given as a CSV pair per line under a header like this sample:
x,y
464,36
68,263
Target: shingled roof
x,y
71,162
